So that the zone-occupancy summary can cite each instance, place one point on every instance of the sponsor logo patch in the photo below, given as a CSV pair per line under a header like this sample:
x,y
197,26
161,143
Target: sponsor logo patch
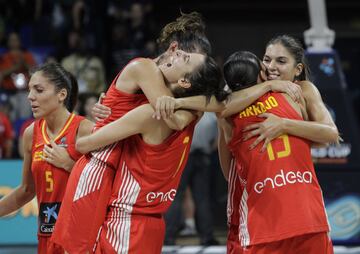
x,y
282,179
48,215
161,196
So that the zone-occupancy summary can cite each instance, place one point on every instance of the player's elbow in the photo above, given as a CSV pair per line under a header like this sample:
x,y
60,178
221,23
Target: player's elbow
x,y
176,124
226,176
226,111
179,126
334,136
28,192
81,146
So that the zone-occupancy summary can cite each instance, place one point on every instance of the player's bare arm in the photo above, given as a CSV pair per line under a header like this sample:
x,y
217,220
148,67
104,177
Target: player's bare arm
x,y
26,190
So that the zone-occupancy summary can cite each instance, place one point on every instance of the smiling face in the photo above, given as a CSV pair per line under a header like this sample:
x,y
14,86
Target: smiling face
x,y
175,66
43,97
280,63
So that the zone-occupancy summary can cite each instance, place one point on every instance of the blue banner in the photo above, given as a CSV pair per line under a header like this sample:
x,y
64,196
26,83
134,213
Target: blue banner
x,y
344,218
19,227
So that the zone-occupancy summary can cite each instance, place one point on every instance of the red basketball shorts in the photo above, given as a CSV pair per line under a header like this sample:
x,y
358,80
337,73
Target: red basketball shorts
x,y
83,209
131,234
310,244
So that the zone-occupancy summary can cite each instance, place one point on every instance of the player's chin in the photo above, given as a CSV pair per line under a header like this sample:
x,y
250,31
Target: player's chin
x,y
37,114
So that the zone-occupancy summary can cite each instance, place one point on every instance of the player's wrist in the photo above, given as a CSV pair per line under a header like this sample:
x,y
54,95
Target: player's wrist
x,y
68,165
285,125
179,103
269,86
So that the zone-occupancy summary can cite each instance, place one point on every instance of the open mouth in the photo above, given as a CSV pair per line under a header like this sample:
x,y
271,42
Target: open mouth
x,y
273,76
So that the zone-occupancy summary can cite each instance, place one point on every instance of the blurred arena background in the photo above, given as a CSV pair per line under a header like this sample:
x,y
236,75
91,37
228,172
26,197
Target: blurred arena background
x,y
108,33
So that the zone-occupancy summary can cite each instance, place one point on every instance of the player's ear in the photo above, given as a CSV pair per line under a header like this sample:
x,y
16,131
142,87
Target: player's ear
x,y
174,45
184,83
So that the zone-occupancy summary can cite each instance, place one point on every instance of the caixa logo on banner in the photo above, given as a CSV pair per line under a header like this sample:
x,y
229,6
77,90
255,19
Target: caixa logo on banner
x,y
327,66
344,218
335,153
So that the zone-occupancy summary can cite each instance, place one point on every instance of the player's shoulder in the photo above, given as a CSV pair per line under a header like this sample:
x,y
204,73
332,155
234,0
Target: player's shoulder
x,y
138,64
85,127
307,86
28,134
310,91
29,130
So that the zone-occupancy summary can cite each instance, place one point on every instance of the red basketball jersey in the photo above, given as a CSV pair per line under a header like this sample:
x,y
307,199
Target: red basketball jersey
x,y
50,181
146,182
234,195
281,196
90,183
233,209
153,170
120,102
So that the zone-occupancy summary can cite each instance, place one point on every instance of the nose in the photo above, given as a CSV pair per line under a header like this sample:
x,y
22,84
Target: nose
x,y
30,96
179,53
271,65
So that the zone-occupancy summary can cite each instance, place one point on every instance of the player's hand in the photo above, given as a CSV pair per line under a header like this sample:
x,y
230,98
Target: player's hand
x,y
165,106
283,86
266,131
57,156
99,111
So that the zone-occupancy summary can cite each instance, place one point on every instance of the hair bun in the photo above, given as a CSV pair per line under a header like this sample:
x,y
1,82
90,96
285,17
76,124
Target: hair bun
x,y
186,22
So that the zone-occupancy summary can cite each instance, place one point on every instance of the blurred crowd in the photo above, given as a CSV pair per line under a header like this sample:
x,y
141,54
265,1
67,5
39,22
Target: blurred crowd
x,y
91,39
94,40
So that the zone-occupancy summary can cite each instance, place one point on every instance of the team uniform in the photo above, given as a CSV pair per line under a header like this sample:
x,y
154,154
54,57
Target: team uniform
x,y
50,181
281,198
90,183
233,211
144,187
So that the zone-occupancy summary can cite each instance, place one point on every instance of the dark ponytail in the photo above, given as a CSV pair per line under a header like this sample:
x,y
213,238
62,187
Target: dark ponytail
x,y
241,70
73,96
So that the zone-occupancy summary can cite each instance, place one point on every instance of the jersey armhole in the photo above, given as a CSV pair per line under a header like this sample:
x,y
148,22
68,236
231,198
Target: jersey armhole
x,y
293,105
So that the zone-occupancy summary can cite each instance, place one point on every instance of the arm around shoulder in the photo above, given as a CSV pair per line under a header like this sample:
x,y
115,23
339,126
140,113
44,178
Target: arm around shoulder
x,y
149,79
134,122
180,119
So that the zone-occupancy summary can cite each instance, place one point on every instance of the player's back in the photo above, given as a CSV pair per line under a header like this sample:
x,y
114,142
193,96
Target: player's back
x,y
152,172
119,101
282,196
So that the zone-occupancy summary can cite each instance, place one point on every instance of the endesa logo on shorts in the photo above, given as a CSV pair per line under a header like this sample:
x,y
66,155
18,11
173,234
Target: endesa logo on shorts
x,y
282,179
161,196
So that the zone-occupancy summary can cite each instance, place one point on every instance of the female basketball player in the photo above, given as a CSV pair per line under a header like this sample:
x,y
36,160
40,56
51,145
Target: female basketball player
x,y
285,60
141,81
280,203
149,171
52,94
